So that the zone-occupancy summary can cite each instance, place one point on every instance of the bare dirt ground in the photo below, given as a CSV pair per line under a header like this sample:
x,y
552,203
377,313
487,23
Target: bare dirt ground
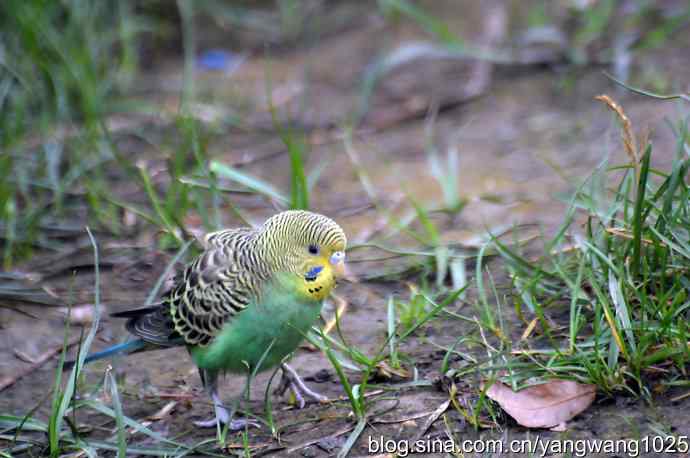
x,y
524,137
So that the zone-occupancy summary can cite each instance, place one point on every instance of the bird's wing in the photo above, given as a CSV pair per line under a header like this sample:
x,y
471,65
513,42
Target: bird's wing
x,y
205,295
215,287
226,238
153,324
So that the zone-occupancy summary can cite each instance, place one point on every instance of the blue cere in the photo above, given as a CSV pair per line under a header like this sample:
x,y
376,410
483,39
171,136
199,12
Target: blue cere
x,y
313,273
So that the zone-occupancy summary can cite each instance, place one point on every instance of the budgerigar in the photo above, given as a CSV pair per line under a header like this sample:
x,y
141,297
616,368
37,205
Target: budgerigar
x,y
249,298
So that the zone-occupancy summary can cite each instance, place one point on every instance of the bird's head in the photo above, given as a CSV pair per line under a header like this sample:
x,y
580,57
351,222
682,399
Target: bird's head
x,y
308,244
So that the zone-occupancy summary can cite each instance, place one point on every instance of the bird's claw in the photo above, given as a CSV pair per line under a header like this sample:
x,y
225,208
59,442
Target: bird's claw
x,y
223,417
290,379
233,425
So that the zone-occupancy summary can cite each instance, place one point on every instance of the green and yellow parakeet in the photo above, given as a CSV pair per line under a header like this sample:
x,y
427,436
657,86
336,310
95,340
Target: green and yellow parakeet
x,y
249,298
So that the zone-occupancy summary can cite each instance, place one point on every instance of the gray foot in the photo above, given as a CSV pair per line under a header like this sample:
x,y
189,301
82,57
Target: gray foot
x,y
294,382
223,418
234,425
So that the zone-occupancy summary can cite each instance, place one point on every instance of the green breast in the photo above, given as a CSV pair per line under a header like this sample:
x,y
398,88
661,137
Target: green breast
x,y
279,321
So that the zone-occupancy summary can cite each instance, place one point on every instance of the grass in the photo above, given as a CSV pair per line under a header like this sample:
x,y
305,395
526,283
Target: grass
x,y
622,279
80,77
388,353
62,398
66,64
593,33
63,438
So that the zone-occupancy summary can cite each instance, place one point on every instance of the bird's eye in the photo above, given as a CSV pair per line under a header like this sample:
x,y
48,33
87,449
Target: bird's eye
x,y
313,249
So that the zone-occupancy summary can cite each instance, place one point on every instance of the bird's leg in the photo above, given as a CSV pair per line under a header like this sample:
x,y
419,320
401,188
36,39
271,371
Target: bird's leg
x,y
292,380
223,417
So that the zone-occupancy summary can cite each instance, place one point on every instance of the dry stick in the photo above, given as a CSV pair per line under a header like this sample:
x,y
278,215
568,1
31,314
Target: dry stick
x,y
431,419
316,441
38,362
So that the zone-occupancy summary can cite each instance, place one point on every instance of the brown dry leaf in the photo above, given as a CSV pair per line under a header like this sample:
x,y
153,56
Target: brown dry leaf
x,y
544,406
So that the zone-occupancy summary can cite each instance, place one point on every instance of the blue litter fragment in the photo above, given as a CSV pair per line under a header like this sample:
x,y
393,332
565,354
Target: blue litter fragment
x,y
219,60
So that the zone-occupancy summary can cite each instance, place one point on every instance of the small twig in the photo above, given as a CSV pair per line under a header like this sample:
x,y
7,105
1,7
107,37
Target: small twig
x,y
680,397
38,362
431,419
403,419
24,356
316,441
174,396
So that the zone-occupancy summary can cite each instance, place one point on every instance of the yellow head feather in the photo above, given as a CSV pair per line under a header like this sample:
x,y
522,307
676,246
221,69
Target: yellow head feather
x,y
307,244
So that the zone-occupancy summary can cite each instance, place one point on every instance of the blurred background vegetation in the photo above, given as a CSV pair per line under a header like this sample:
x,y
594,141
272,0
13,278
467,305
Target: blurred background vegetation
x,y
74,77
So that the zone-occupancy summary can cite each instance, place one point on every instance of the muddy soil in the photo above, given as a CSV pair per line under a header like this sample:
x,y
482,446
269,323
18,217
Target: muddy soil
x,y
524,138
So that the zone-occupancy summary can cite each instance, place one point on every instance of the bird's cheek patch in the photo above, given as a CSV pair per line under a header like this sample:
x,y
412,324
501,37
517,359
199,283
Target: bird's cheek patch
x,y
313,273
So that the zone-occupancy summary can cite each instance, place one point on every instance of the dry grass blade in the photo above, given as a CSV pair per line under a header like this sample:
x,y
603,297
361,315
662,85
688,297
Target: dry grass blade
x,y
530,328
339,312
629,141
618,232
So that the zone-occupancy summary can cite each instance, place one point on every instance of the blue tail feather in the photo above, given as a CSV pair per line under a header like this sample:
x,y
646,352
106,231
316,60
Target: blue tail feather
x,y
123,348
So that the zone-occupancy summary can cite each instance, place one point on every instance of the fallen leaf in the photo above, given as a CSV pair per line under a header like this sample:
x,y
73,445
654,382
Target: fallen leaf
x,y
544,406
386,371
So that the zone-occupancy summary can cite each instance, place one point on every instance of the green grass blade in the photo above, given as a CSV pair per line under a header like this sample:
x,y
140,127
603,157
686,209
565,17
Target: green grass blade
x,y
131,423
354,401
637,216
119,416
249,181
166,273
636,90
352,438
65,396
430,23
434,311
392,343
299,188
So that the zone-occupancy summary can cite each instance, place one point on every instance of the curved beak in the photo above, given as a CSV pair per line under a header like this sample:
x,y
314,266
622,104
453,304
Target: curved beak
x,y
340,269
